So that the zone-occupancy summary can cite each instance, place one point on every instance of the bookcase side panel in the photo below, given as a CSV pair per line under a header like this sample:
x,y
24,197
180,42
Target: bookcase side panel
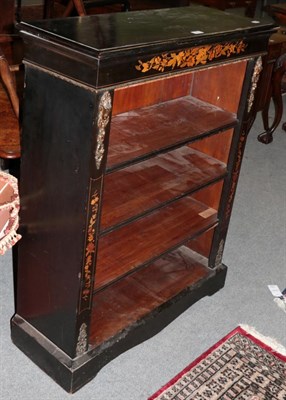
x,y
58,141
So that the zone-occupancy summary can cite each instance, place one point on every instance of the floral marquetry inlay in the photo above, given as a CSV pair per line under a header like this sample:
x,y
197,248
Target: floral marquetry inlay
x,y
89,252
191,57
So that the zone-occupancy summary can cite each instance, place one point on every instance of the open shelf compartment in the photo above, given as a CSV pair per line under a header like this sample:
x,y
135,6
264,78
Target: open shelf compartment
x,y
124,303
143,187
141,133
146,239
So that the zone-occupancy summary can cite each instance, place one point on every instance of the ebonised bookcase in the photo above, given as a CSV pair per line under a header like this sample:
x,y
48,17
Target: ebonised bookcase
x,y
134,127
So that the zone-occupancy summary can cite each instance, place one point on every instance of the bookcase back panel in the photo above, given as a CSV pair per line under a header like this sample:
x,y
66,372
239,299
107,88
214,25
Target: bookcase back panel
x,y
220,85
202,243
151,92
210,195
216,146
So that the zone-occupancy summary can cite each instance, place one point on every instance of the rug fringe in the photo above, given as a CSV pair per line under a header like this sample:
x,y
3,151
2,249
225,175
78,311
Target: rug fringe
x,y
271,342
9,235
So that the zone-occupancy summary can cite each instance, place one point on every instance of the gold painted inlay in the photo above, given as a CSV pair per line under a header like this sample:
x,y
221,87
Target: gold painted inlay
x,y
90,247
191,57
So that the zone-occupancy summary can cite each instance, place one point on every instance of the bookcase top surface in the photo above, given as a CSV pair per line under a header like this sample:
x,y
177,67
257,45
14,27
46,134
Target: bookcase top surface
x,y
138,29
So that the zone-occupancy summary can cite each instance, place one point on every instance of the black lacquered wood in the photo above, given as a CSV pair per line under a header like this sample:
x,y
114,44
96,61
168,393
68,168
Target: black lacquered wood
x,y
75,147
109,32
122,40
54,195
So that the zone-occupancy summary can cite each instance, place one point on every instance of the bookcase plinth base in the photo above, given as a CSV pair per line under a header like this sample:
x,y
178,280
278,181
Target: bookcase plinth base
x,y
72,374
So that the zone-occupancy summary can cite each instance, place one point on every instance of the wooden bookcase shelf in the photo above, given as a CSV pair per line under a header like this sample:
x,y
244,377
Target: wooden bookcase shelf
x,y
137,243
139,294
143,187
138,133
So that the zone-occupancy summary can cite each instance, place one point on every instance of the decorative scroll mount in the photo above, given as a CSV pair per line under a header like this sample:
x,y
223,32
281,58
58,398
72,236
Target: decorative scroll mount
x,y
81,346
254,81
102,122
218,259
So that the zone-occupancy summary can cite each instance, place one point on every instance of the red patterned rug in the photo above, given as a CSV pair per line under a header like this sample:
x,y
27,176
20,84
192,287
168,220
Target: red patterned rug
x,y
240,366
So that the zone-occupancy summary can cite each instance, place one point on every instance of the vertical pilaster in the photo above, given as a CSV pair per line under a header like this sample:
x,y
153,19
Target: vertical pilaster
x,y
246,117
65,137
97,165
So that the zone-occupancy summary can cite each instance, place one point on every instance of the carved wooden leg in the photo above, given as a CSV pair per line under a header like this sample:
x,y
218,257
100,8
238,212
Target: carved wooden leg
x,y
69,8
76,5
79,6
265,115
279,70
9,83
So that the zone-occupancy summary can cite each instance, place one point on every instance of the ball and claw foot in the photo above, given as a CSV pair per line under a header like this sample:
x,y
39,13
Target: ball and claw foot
x,y
266,137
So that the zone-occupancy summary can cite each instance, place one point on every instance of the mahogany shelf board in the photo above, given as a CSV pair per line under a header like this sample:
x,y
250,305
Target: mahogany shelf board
x,y
148,238
127,301
140,133
143,187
